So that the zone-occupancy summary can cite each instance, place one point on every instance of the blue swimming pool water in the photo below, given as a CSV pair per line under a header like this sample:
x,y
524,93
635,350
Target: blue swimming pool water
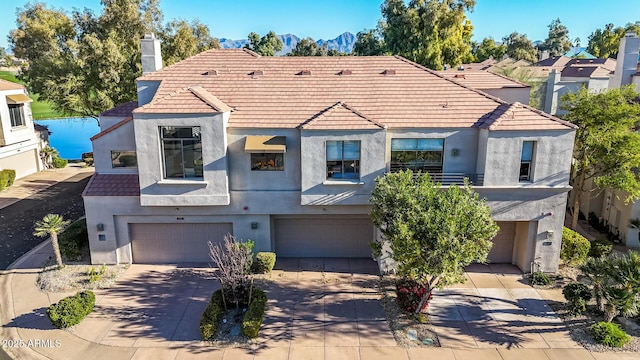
x,y
71,136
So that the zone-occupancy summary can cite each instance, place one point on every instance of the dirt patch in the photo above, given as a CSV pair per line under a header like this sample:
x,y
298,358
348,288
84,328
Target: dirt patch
x,y
401,322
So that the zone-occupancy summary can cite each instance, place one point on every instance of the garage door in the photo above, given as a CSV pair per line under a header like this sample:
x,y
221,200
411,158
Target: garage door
x,y
502,250
173,243
24,164
323,236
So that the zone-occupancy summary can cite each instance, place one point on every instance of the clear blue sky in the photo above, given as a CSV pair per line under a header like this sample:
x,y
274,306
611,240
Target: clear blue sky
x,y
326,19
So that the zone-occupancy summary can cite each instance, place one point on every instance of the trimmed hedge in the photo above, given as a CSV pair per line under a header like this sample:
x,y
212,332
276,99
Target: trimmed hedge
x,y
609,334
211,316
72,309
255,314
264,262
600,248
575,247
59,163
7,177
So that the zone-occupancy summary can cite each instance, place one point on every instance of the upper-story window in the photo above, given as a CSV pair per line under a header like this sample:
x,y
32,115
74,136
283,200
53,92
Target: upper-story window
x,y
526,160
343,159
124,159
267,152
181,151
16,114
267,162
417,154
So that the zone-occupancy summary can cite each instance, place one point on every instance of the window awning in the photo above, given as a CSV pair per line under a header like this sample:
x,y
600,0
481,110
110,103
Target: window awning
x,y
265,144
18,99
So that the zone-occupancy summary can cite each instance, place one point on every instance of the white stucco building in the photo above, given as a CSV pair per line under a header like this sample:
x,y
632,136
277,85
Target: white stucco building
x,y
285,151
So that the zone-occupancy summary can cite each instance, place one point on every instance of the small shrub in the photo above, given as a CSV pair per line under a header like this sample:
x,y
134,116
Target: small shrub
x,y
575,247
255,314
211,316
4,180
74,240
9,176
609,334
410,294
600,248
71,310
539,278
264,262
577,294
96,274
59,163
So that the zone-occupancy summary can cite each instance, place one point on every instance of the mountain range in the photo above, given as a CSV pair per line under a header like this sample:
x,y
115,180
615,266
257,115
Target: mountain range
x,y
343,43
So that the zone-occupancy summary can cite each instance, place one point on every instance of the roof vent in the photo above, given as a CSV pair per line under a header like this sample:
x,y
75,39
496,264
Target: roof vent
x,y
461,68
389,72
210,72
304,72
255,73
459,76
345,72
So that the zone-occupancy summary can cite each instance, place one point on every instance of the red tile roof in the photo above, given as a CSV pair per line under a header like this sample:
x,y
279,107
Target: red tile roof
x,y
415,97
340,116
190,100
517,116
122,110
110,129
113,185
482,79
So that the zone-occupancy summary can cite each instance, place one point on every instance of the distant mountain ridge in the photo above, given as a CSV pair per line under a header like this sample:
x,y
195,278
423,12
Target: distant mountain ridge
x,y
343,43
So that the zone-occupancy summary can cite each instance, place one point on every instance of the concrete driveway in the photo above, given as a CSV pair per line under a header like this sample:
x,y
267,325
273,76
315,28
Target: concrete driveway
x,y
496,308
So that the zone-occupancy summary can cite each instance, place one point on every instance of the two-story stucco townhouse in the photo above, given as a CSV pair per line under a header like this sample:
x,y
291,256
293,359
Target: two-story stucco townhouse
x,y
20,143
285,151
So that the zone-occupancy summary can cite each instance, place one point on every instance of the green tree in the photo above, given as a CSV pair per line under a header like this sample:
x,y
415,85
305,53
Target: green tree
x,y
308,47
606,42
558,41
430,32
488,48
368,43
267,45
607,146
519,47
432,233
181,40
51,225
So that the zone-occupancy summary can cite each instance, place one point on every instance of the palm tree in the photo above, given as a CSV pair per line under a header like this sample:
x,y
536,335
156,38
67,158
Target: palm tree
x,y
51,225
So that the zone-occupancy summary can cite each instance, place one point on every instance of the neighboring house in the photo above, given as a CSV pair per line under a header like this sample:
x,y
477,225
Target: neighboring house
x,y
285,151
19,141
494,84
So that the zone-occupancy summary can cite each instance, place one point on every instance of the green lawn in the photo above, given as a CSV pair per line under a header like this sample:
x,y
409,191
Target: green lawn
x,y
39,109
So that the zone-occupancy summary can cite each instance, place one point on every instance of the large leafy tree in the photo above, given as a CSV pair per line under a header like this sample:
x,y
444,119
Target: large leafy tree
x,y
181,40
488,48
308,47
83,63
432,233
267,45
557,42
519,47
607,146
430,32
51,225
606,42
368,43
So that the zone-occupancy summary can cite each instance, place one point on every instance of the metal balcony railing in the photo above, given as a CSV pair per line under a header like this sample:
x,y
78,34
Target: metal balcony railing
x,y
457,178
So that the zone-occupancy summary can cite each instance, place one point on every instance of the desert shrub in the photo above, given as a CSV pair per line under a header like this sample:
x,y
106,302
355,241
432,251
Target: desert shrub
x,y
71,310
264,262
575,247
74,240
211,316
59,163
410,293
577,294
609,334
255,314
95,274
600,248
539,278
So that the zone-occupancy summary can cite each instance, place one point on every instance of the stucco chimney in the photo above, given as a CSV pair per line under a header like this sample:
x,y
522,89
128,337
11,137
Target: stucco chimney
x,y
627,62
151,55
544,55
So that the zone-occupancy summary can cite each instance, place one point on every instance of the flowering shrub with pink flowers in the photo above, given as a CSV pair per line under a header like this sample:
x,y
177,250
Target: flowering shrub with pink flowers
x,y
410,294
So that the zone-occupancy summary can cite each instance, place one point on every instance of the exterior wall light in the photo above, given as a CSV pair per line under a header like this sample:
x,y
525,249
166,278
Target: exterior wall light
x,y
254,225
455,152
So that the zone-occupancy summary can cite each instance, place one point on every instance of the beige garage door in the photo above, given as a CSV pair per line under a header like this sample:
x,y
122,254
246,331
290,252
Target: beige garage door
x,y
23,163
173,243
323,236
502,250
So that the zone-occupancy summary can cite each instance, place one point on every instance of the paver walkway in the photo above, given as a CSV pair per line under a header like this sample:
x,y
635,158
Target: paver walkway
x,y
496,309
